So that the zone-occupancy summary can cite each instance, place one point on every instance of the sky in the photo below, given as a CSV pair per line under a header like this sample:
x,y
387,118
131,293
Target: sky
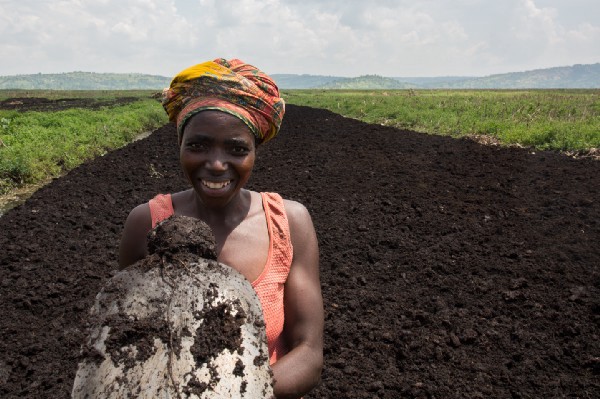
x,y
394,38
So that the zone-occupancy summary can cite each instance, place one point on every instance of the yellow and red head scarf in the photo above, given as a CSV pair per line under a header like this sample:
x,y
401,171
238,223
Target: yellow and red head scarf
x,y
230,86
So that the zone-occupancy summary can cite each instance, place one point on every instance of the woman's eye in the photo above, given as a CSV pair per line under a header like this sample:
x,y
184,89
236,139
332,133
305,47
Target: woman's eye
x,y
196,146
240,150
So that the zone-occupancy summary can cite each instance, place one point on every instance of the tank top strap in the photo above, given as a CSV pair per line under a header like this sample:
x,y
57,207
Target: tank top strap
x,y
280,248
161,208
269,286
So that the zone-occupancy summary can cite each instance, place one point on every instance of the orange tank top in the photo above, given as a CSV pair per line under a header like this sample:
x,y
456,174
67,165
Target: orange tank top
x,y
269,285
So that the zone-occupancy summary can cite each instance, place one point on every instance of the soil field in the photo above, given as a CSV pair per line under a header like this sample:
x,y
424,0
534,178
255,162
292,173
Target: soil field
x,y
449,269
45,104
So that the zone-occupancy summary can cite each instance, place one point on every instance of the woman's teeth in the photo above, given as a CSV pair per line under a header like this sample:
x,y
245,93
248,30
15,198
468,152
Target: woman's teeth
x,y
216,185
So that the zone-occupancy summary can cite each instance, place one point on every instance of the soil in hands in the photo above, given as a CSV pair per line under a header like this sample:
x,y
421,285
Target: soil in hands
x,y
449,269
177,239
175,246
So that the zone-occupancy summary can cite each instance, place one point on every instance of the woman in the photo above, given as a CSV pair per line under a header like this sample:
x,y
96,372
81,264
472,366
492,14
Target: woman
x,y
223,110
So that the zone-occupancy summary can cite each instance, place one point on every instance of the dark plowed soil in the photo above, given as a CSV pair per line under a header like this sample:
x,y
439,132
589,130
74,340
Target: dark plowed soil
x,y
45,104
449,269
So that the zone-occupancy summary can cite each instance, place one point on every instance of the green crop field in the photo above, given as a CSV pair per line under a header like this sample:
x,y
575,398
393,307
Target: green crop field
x,y
564,120
38,145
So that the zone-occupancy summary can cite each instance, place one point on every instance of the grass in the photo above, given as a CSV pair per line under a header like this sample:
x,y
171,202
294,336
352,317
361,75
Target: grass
x,y
564,120
36,146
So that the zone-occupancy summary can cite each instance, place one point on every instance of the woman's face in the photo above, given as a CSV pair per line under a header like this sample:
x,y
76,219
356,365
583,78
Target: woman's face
x,y
217,154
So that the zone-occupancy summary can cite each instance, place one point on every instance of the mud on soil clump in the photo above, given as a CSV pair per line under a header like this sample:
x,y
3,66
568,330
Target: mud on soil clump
x,y
449,269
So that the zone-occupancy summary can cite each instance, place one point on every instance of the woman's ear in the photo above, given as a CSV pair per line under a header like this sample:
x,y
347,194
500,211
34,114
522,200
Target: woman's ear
x,y
179,138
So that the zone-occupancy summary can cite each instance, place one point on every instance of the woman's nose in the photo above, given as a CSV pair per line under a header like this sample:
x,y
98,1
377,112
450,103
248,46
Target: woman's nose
x,y
216,161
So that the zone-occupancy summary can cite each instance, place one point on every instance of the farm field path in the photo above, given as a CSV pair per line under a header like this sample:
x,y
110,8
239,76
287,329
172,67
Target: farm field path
x,y
449,269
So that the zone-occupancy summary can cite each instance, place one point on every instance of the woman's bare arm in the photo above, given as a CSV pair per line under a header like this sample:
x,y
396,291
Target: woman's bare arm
x,y
133,241
299,371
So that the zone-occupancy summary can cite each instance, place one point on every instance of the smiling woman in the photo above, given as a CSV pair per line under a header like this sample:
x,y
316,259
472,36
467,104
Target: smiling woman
x,y
217,154
223,110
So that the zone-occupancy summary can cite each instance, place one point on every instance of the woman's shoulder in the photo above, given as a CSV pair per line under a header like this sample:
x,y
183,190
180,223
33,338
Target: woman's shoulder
x,y
182,194
182,200
295,207
133,244
297,214
140,213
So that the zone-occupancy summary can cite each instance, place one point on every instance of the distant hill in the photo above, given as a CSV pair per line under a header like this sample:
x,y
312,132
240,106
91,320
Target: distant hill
x,y
434,82
335,82
367,82
290,81
570,77
85,81
576,76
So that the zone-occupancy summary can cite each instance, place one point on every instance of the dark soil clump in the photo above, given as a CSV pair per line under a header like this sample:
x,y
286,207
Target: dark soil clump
x,y
182,235
449,269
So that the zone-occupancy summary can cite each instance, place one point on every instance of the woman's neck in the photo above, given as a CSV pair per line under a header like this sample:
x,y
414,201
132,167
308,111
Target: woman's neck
x,y
227,217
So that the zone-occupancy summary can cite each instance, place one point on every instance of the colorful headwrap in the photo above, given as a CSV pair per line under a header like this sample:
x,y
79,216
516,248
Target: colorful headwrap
x,y
230,86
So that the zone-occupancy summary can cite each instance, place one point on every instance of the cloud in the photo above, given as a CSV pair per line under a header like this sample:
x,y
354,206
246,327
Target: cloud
x,y
535,23
539,36
334,37
341,39
91,35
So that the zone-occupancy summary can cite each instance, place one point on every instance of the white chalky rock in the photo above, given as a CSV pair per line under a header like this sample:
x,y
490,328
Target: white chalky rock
x,y
176,325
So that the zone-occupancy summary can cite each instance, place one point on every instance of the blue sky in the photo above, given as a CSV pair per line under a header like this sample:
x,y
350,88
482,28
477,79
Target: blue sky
x,y
336,37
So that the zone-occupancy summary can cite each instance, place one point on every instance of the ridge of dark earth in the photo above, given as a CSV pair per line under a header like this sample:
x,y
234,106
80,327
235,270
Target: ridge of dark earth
x,y
449,269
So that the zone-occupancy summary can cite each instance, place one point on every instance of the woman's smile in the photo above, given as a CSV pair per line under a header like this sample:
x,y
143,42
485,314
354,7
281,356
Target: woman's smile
x,y
215,185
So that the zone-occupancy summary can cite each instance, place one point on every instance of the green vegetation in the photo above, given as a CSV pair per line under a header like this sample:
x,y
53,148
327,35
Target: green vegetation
x,y
565,120
35,146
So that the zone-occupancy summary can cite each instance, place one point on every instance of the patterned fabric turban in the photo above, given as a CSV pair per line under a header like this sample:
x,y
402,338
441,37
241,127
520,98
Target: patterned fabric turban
x,y
230,86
